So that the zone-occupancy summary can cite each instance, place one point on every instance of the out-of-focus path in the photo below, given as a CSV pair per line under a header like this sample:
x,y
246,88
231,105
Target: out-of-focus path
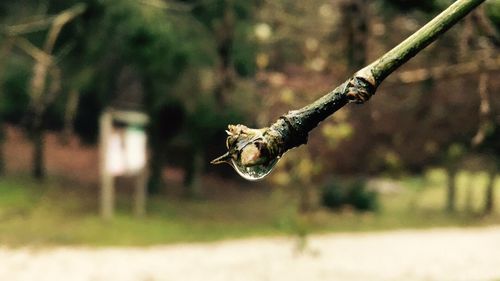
x,y
438,254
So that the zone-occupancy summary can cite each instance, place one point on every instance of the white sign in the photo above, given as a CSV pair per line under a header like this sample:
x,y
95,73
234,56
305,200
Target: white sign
x,y
126,153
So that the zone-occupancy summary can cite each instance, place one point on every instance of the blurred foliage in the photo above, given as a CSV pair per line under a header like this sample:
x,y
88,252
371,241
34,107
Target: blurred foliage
x,y
493,11
355,194
423,5
15,80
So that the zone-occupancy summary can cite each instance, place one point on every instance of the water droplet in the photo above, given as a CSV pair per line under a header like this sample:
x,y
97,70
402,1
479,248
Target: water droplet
x,y
256,172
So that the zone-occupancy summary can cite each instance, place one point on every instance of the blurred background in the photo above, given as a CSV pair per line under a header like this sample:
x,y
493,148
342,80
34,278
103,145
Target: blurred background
x,y
423,152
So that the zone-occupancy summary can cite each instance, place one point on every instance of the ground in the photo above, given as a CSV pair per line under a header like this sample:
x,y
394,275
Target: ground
x,y
436,254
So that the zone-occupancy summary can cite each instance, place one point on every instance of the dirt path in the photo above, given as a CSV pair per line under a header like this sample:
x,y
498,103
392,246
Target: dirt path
x,y
440,254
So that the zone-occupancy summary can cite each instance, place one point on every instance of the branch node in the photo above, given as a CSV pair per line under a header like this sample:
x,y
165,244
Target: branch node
x,y
361,87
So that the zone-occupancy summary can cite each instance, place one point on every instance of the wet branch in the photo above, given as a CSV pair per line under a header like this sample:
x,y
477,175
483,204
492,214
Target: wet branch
x,y
259,147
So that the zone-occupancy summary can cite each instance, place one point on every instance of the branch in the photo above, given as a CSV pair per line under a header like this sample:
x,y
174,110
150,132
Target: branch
x,y
70,114
254,152
33,51
28,27
486,26
59,21
485,120
42,23
41,95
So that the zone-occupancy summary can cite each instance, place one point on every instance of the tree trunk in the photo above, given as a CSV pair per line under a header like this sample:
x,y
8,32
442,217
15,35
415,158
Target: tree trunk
x,y
41,93
465,39
451,173
224,35
192,179
355,19
489,205
38,154
70,114
4,53
2,141
469,195
155,181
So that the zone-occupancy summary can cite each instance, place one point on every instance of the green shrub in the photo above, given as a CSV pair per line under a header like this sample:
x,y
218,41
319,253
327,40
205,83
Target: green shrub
x,y
333,195
336,194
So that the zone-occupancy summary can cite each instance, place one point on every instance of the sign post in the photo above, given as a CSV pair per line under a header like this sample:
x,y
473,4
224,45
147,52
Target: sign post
x,y
122,152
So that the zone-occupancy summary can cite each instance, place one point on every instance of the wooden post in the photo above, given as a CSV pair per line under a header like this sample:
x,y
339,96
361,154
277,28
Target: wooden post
x,y
140,193
107,189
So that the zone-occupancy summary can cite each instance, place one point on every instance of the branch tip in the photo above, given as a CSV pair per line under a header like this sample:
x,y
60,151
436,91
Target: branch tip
x,y
222,159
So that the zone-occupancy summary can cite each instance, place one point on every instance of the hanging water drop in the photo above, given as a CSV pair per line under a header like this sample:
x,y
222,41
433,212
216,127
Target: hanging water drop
x,y
253,173
249,153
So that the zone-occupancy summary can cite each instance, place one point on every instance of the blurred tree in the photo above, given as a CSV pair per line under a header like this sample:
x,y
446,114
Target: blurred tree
x,y
488,42
355,23
454,153
229,26
427,6
160,41
486,138
5,48
45,83
230,23
486,141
